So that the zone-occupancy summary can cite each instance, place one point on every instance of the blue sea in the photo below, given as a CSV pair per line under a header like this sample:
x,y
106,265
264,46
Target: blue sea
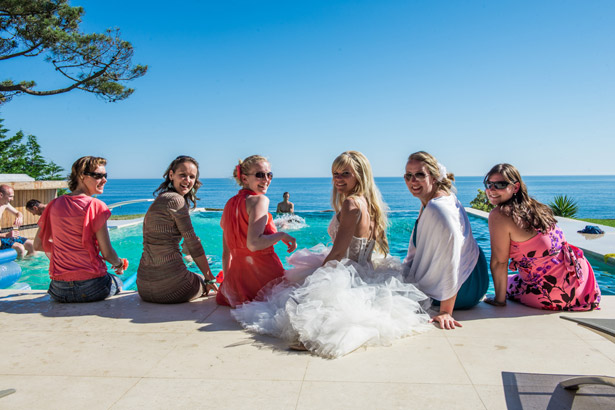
x,y
595,195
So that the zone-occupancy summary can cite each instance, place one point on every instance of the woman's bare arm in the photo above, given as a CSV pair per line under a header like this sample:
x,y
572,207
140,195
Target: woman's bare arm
x,y
499,233
257,208
106,249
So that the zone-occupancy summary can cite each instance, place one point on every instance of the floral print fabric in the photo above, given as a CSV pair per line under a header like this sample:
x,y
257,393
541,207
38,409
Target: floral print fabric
x,y
553,274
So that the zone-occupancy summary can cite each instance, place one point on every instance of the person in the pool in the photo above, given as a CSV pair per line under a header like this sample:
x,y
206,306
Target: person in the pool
x,y
162,276
285,207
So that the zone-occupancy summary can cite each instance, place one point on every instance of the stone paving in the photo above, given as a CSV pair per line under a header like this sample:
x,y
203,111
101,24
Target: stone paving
x,y
123,353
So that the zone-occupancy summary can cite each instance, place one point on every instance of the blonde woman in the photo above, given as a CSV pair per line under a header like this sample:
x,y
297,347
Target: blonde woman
x,y
334,301
443,259
248,259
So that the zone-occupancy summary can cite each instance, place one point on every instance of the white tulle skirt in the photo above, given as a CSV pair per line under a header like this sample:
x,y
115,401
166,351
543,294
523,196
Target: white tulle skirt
x,y
339,307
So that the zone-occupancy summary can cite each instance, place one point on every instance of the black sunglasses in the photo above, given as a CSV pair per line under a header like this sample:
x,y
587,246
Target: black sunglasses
x,y
496,184
262,175
418,175
96,175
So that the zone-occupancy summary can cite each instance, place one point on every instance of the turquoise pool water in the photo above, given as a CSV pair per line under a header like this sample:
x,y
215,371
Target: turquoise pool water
x,y
128,242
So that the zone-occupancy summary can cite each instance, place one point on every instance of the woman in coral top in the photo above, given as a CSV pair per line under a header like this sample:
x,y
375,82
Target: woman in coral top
x,y
73,232
553,274
248,259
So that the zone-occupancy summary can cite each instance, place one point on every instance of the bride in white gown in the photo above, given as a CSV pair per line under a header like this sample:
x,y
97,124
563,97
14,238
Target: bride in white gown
x,y
337,299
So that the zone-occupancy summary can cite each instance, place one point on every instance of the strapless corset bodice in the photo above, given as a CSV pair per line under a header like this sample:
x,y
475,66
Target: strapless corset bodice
x,y
360,249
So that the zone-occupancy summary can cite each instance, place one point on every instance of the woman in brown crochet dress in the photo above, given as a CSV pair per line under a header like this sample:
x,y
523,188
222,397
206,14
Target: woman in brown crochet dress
x,y
162,276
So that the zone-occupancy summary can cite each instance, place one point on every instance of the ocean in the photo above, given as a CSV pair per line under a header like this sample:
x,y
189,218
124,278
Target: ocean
x,y
595,195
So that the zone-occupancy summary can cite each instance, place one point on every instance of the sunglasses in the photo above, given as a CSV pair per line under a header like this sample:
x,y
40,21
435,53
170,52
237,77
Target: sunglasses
x,y
496,184
344,174
96,175
419,176
262,175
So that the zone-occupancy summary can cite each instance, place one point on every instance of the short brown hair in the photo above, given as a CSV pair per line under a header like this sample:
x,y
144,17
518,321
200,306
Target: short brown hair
x,y
83,164
32,203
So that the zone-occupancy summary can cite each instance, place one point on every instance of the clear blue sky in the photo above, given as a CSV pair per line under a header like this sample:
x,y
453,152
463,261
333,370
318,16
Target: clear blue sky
x,y
473,82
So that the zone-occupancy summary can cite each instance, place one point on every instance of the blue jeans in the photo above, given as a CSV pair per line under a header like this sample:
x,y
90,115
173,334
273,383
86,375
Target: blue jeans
x,y
90,290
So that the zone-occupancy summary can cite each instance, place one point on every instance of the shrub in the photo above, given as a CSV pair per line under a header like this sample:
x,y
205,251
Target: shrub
x,y
564,206
481,202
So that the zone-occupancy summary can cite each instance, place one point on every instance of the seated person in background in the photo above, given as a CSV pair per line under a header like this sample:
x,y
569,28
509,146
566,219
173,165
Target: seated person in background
x,y
35,207
162,276
73,233
12,239
553,274
285,207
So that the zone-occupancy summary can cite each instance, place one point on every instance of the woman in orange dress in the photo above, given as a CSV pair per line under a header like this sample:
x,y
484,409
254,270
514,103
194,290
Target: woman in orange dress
x,y
249,261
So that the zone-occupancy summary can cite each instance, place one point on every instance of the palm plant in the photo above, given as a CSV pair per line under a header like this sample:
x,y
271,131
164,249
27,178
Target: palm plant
x,y
564,206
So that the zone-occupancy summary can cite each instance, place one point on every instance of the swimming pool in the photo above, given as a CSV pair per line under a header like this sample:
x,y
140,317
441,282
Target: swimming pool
x,y
128,242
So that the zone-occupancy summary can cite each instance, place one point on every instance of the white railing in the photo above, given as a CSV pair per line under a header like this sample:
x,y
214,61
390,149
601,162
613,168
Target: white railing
x,y
134,201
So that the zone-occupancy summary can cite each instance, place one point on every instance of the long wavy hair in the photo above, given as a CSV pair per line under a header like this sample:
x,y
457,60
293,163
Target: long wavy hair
x,y
367,188
442,182
167,185
83,164
526,212
244,167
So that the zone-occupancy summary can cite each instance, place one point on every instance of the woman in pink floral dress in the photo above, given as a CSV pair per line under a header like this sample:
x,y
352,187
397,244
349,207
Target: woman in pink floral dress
x,y
553,274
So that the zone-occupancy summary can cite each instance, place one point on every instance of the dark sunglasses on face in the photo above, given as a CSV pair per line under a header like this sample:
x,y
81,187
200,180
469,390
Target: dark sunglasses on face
x,y
96,175
262,175
419,176
496,184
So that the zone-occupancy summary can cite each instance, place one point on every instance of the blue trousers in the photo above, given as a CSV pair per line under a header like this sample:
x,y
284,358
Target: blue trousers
x,y
90,290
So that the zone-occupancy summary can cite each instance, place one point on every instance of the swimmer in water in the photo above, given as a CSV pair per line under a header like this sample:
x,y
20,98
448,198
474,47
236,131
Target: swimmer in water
x,y
285,207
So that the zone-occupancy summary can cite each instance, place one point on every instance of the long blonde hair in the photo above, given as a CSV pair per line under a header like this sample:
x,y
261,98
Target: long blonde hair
x,y
367,188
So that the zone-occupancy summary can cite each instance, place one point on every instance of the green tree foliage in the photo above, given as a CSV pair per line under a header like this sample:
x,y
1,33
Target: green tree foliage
x,y
96,63
17,157
481,202
564,206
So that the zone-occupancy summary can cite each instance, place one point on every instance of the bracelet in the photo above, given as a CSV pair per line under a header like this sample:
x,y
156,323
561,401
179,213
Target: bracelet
x,y
123,264
210,281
